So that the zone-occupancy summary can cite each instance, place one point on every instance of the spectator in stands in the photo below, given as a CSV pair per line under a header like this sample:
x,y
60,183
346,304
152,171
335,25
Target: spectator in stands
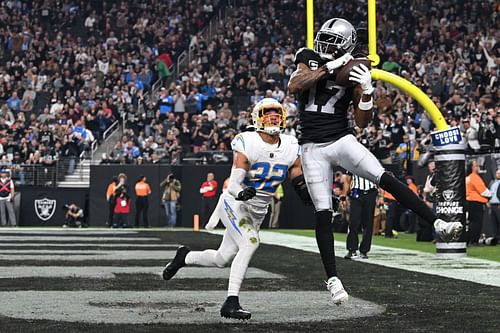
x,y
14,103
165,104
131,152
407,151
179,101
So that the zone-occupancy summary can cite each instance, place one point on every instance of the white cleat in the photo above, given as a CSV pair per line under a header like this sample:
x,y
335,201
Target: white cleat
x,y
448,231
339,295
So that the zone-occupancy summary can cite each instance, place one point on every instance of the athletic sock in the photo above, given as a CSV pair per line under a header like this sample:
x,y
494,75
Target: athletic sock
x,y
239,268
406,197
324,238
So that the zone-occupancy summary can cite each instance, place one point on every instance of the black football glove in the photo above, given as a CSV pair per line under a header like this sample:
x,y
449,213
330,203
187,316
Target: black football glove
x,y
299,184
246,194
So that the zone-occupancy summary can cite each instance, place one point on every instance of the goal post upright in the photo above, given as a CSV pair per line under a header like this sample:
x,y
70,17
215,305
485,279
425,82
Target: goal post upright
x,y
310,23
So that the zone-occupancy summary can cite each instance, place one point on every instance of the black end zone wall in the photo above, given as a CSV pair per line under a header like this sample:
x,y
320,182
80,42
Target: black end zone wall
x,y
293,213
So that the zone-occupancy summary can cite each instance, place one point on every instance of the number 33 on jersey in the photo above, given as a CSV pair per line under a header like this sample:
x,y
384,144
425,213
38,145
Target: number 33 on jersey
x,y
268,163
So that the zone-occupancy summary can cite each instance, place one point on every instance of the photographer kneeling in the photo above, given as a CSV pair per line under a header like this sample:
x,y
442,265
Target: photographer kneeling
x,y
73,216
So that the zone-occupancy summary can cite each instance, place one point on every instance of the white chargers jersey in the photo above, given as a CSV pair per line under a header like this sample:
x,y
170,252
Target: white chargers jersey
x,y
269,163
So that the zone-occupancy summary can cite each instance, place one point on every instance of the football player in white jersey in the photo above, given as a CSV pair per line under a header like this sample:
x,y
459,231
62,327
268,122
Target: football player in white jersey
x,y
262,161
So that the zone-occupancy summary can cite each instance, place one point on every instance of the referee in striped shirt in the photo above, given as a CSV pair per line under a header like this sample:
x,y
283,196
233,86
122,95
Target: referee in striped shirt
x,y
363,195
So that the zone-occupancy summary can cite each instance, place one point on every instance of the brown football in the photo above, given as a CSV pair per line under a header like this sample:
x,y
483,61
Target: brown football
x,y
342,75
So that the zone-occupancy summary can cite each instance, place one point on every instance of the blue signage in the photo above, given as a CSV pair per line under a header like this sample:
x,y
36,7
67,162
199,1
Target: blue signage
x,y
447,137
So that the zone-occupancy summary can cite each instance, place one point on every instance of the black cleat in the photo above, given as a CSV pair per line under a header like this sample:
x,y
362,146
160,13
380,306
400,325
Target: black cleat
x,y
176,263
232,309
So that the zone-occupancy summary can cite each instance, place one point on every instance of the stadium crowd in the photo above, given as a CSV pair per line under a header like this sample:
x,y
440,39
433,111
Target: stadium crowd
x,y
453,58
71,68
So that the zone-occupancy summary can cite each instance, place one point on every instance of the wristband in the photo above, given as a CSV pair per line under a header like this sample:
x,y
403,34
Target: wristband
x,y
365,106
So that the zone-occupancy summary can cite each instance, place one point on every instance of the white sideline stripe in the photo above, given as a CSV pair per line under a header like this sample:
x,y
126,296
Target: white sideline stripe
x,y
467,269
62,255
75,239
109,272
75,245
64,231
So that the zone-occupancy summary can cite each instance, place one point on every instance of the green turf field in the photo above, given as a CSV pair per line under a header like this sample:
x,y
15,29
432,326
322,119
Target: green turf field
x,y
408,242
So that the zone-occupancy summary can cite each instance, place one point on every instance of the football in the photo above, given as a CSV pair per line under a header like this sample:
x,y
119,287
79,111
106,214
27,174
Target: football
x,y
342,75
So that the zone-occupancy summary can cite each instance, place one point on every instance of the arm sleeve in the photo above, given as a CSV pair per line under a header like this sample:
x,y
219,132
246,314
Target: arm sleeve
x,y
235,180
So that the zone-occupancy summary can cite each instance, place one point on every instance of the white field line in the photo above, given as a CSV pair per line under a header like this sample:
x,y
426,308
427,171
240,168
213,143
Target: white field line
x,y
476,270
109,272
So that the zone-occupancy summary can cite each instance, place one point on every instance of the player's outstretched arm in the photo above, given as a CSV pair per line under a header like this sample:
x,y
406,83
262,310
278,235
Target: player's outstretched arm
x,y
304,78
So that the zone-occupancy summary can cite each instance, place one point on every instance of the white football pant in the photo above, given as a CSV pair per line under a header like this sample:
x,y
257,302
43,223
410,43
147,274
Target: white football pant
x,y
318,160
241,239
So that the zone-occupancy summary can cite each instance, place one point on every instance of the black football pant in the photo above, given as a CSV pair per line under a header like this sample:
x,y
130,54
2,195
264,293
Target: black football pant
x,y
362,211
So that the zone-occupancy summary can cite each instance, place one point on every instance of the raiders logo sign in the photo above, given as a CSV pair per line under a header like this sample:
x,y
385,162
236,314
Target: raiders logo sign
x,y
448,195
45,208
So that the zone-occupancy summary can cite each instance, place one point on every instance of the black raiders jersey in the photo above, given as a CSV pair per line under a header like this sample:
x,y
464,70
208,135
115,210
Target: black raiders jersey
x,y
322,108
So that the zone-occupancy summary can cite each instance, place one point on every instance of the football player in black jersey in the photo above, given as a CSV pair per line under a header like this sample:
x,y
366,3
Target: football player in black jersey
x,y
327,140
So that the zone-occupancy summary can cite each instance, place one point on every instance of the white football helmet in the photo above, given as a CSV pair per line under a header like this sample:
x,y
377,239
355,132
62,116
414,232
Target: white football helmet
x,y
264,121
335,38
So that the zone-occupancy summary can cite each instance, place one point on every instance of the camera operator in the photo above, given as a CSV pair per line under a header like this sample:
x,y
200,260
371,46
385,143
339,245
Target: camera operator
x,y
122,184
73,216
122,208
170,197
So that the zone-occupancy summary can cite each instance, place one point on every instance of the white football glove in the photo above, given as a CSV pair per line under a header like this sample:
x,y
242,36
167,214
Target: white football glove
x,y
361,74
332,65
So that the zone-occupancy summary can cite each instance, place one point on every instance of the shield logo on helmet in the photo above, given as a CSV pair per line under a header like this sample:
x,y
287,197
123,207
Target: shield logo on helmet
x,y
45,208
448,195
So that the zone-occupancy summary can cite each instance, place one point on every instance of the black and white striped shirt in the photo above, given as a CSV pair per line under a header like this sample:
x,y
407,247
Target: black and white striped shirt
x,y
361,183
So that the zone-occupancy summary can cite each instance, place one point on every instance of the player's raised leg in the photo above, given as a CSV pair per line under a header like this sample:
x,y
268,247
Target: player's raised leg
x,y
356,158
318,175
209,258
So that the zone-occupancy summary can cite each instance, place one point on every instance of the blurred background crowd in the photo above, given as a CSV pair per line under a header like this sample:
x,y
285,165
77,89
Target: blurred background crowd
x,y
70,69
